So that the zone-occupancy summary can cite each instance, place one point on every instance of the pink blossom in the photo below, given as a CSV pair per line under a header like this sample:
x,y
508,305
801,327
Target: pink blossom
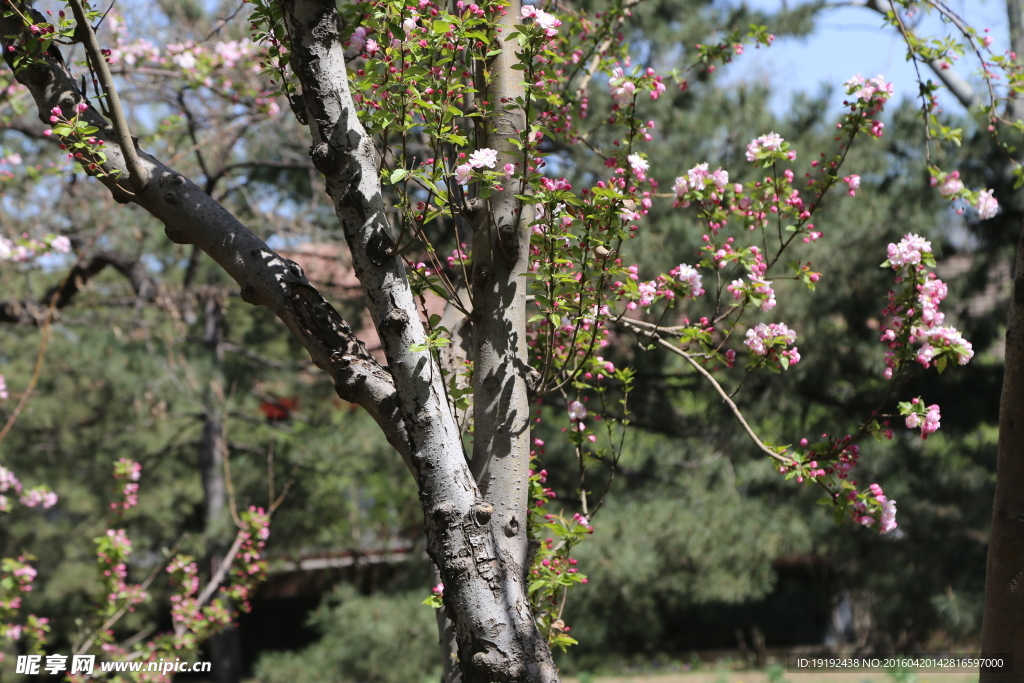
x,y
770,142
763,289
872,89
462,174
3,397
951,185
946,338
696,175
762,338
8,481
720,178
931,420
680,188
930,294
888,520
528,11
577,411
910,250
648,290
509,170
628,215
986,205
483,157
39,496
622,89
689,275
548,22
638,164
358,39
853,182
61,244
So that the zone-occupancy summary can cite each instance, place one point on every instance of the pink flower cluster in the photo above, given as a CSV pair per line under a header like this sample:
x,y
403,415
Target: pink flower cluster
x,y
7,482
938,339
771,340
887,519
130,470
951,187
872,92
622,88
479,159
40,496
928,421
25,249
759,290
986,205
689,275
771,142
548,22
908,251
112,556
921,312
697,180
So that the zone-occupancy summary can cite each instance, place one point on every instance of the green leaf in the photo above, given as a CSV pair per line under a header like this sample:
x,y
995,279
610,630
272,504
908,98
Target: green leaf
x,y
439,26
398,174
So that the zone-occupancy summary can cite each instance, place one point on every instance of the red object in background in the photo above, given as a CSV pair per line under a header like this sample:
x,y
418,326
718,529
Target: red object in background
x,y
279,408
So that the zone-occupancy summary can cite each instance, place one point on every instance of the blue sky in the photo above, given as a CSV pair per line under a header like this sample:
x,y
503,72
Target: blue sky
x,y
850,40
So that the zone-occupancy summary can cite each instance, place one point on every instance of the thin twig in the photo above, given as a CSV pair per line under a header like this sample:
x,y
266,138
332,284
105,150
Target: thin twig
x,y
136,176
789,462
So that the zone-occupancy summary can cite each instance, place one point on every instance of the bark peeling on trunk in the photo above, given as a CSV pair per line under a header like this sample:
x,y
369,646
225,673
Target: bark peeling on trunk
x,y
497,637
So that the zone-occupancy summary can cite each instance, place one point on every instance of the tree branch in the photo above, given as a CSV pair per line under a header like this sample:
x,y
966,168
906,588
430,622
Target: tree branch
x,y
190,216
960,88
137,175
30,312
645,330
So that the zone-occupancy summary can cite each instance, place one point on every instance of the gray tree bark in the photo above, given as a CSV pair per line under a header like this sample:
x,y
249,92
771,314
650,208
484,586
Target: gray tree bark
x,y
484,596
1003,628
1003,623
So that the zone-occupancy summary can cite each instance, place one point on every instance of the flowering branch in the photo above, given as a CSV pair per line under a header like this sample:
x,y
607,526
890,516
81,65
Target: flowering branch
x,y
652,334
138,176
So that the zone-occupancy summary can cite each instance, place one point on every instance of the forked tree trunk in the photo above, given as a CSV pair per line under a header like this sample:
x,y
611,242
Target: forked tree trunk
x,y
476,536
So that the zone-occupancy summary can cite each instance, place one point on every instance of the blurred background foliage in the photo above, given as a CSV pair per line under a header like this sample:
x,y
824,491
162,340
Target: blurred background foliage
x,y
701,545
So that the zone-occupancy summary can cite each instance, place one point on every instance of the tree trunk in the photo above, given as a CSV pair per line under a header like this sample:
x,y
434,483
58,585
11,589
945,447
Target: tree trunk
x,y
1003,623
501,408
1003,631
483,596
